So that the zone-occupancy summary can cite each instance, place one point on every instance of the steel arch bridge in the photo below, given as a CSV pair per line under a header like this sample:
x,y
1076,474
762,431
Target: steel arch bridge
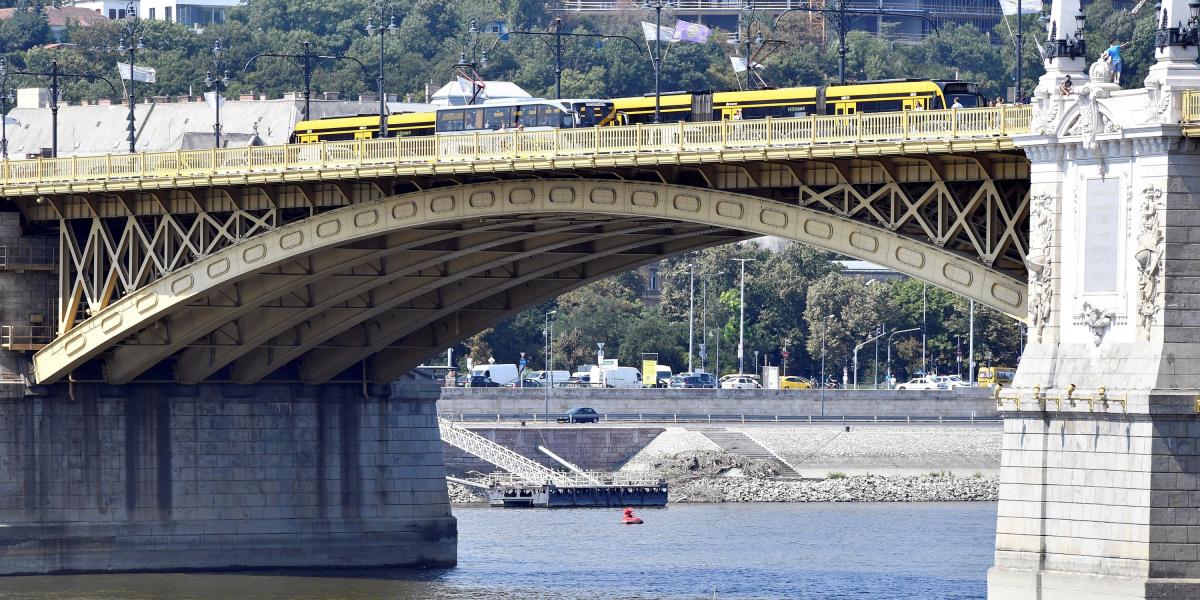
x,y
317,274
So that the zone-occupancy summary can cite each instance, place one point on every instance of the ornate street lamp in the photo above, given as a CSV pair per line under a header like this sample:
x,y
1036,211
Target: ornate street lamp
x,y
218,80
657,6
382,7
131,42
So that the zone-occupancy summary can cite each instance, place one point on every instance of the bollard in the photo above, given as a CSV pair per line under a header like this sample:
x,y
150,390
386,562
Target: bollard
x,y
810,418
743,416
939,418
676,418
639,417
710,418
497,417
776,418
908,419
876,418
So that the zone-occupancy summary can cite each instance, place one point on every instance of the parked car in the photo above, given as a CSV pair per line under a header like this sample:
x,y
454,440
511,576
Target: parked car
x,y
740,382
708,379
580,414
580,379
686,382
558,378
793,382
481,381
922,383
527,382
952,381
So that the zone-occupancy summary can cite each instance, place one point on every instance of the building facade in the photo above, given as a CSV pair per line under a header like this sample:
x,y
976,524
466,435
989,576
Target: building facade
x,y
196,14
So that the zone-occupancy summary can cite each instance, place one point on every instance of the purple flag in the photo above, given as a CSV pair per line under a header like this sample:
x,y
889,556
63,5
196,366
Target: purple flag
x,y
691,32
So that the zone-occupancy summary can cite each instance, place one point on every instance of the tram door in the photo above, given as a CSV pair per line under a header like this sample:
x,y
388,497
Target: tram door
x,y
844,108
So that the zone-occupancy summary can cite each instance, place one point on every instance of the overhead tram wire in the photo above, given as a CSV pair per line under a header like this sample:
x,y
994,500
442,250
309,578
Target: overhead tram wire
x,y
307,62
839,15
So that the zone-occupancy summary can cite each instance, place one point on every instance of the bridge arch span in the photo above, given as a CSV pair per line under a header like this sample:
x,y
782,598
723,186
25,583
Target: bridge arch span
x,y
386,283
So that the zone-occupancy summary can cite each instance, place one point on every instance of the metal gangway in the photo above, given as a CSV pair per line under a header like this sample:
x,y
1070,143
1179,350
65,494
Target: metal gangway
x,y
508,460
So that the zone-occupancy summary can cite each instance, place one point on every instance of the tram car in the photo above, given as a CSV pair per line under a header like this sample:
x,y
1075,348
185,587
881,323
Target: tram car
x,y
540,114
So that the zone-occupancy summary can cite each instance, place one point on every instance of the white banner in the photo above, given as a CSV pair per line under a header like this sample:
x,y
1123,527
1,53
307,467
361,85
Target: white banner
x,y
143,74
667,33
1028,7
739,64
210,98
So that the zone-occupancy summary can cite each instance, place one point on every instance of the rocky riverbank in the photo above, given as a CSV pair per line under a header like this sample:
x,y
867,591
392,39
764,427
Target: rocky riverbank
x,y
716,476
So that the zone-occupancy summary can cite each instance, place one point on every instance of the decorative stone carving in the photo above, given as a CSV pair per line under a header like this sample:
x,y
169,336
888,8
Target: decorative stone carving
x,y
1101,71
1041,268
1097,319
1045,108
1158,99
1149,259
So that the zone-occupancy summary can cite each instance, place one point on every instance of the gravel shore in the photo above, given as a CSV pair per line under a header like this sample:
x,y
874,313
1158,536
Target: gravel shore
x,y
716,476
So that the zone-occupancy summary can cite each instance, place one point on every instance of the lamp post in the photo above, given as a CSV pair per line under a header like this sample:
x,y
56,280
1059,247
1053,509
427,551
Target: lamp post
x,y
218,80
383,9
824,329
704,325
716,334
889,348
548,380
6,98
840,15
691,311
308,63
858,347
131,42
657,6
742,315
55,74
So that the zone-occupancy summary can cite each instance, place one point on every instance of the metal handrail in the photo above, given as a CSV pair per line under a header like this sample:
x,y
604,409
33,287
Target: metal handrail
x,y
25,337
674,139
505,458
29,256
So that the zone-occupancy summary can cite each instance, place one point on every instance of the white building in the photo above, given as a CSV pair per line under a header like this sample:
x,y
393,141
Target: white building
x,y
196,14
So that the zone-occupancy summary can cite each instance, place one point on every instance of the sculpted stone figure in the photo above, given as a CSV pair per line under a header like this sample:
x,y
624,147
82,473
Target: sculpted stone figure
x,y
1097,319
1149,259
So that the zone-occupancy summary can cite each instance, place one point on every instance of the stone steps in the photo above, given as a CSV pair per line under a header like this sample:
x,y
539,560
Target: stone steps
x,y
736,442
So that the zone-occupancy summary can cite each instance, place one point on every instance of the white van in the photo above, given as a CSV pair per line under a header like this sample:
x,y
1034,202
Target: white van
x,y
544,377
664,374
499,374
619,377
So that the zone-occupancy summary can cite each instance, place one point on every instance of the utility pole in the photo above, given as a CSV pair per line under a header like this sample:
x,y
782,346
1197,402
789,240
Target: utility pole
x,y
691,313
704,325
971,345
548,380
924,329
742,315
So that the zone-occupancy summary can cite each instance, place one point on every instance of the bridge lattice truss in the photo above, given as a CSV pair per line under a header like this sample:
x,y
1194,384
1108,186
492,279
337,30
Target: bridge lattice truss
x,y
370,272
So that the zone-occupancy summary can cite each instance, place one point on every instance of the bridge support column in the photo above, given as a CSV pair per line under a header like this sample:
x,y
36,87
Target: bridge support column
x,y
1100,468
148,477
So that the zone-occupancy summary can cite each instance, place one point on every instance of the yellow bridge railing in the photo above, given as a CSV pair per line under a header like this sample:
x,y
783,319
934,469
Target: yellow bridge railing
x,y
675,138
1191,106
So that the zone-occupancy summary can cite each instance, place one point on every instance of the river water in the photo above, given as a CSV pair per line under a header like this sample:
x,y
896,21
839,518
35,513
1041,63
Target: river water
x,y
688,551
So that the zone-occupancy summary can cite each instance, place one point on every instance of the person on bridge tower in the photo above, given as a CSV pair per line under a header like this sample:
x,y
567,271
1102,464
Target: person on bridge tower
x,y
1066,87
1113,56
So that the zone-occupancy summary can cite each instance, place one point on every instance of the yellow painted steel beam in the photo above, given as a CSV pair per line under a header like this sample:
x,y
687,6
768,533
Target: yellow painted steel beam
x,y
515,200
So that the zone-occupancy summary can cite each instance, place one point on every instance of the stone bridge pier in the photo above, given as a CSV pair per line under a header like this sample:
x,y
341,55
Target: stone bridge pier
x,y
1100,469
145,477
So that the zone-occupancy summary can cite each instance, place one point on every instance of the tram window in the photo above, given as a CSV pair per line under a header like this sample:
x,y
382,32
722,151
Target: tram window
x,y
531,115
473,119
880,106
450,120
497,117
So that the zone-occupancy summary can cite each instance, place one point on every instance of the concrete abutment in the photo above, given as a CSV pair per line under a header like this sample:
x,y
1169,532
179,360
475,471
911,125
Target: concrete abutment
x,y
149,477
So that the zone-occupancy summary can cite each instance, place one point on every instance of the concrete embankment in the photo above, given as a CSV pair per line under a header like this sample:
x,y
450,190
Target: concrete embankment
x,y
962,403
824,462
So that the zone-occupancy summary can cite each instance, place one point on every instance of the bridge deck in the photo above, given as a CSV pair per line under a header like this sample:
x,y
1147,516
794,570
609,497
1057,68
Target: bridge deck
x,y
840,136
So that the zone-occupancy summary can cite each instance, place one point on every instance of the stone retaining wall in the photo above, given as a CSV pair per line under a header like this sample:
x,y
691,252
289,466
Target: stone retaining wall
x,y
961,403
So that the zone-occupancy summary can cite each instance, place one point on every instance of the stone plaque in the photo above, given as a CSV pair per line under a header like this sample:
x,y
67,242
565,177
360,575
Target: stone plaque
x,y
1101,236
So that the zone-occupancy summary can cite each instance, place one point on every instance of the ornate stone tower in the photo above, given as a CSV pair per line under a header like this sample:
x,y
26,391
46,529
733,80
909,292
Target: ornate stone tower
x,y
1100,479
